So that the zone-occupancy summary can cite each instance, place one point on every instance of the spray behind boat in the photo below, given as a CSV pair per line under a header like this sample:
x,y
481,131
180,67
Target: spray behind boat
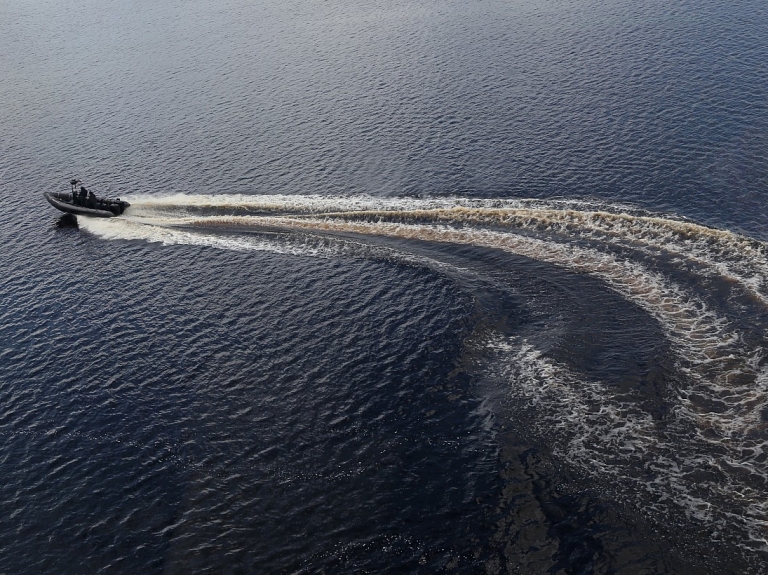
x,y
80,201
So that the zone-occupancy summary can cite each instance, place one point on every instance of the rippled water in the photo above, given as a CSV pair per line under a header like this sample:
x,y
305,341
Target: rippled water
x,y
465,286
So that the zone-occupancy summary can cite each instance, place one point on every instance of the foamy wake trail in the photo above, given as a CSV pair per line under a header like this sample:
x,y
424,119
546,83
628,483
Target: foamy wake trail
x,y
165,231
719,365
611,439
728,254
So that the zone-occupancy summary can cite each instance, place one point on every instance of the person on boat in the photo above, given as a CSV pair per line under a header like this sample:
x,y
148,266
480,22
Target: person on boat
x,y
83,195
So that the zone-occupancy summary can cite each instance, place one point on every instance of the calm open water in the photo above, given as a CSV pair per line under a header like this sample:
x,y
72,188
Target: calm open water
x,y
475,286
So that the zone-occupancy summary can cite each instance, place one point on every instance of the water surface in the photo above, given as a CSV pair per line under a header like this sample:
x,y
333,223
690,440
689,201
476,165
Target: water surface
x,y
465,286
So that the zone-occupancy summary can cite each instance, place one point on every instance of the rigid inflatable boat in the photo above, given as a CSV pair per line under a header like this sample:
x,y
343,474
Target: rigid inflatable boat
x,y
84,203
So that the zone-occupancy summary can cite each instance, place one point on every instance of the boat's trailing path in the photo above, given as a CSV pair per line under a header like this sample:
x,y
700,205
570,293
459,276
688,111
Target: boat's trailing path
x,y
662,264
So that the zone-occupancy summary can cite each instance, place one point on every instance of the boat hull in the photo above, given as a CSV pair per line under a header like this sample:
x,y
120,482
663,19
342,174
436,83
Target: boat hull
x,y
63,202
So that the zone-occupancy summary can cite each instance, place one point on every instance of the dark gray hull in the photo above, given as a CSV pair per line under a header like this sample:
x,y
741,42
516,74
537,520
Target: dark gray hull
x,y
63,202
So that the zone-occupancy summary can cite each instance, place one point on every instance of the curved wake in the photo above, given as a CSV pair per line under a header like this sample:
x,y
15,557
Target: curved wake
x,y
718,410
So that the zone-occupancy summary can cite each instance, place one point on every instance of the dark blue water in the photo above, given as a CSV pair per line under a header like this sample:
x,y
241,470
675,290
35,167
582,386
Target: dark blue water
x,y
472,286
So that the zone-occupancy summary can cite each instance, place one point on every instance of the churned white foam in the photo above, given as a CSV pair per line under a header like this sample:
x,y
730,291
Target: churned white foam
x,y
154,231
308,204
607,435
730,255
319,204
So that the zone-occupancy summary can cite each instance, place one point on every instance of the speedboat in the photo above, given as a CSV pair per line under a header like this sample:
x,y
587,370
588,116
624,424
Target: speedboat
x,y
84,203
